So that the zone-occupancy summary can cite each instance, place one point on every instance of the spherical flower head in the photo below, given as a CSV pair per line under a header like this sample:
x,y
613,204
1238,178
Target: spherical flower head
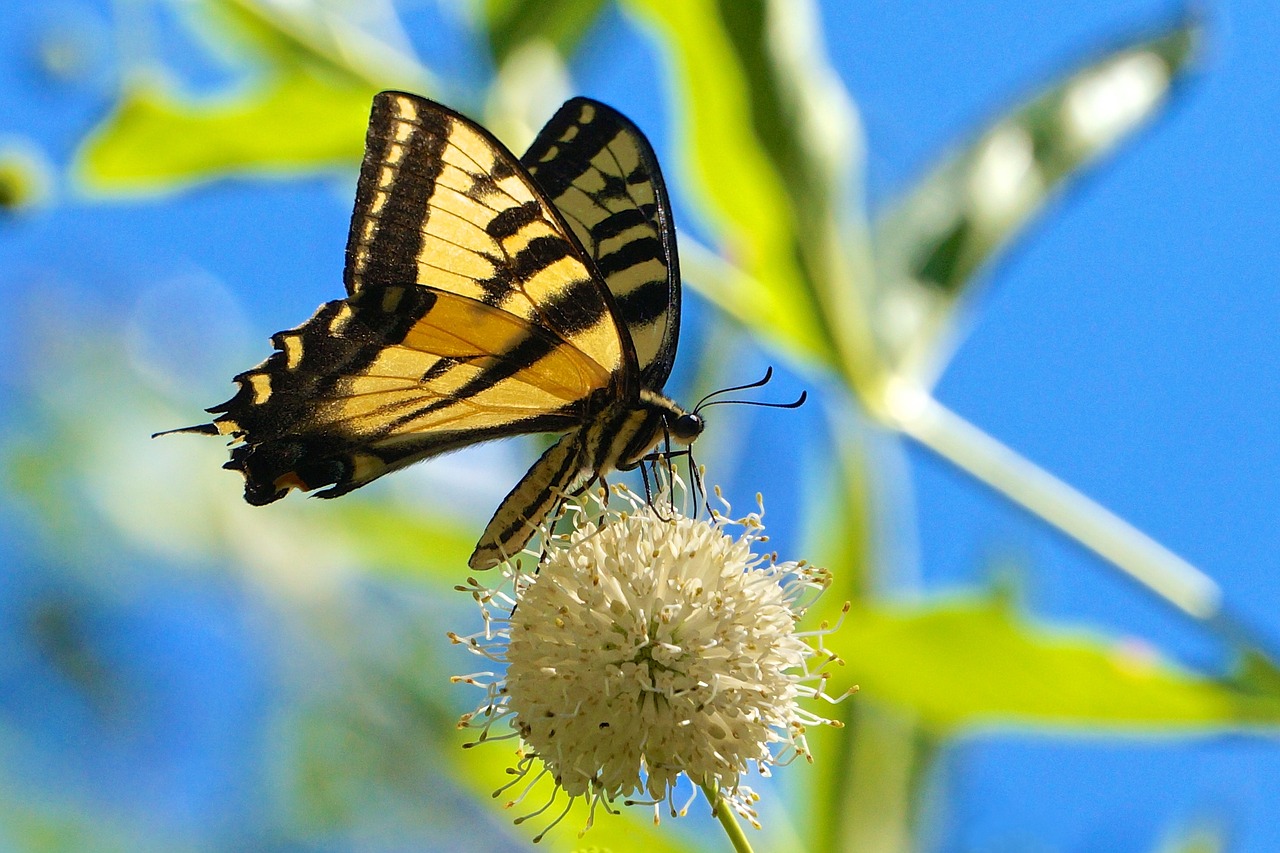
x,y
648,645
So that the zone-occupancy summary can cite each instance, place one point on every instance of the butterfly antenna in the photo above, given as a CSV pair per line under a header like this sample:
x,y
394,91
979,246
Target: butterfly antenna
x,y
794,404
768,374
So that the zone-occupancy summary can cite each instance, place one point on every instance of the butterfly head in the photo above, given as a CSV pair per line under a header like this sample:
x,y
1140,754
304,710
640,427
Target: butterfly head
x,y
686,427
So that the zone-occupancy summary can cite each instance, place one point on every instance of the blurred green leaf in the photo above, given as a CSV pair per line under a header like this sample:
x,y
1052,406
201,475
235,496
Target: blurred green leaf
x,y
845,514
870,774
1204,837
845,545
973,661
34,821
563,23
316,35
294,123
365,743
278,36
1257,672
753,150
962,215
303,107
391,538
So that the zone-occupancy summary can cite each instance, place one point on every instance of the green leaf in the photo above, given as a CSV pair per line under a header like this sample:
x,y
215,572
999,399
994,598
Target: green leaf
x,y
960,218
975,660
563,23
843,514
155,141
1205,836
289,37
871,774
1257,672
845,518
763,148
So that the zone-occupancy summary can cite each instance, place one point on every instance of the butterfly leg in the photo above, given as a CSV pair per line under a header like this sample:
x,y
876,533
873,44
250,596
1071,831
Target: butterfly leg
x,y
701,498
653,459
648,490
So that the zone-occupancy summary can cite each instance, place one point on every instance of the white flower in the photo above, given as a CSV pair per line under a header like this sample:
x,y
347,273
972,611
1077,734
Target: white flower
x,y
649,645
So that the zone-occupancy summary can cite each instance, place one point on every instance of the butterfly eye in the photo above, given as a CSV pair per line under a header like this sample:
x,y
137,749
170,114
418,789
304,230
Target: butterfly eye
x,y
687,427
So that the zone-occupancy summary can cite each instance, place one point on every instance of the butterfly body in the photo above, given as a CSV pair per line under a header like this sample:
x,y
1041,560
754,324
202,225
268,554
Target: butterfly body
x,y
618,438
487,297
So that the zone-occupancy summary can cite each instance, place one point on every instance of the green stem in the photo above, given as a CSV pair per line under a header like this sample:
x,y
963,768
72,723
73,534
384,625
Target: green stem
x,y
724,814
1145,560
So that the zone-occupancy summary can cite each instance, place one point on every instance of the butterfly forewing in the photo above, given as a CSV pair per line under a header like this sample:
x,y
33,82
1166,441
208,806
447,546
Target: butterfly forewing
x,y
602,175
440,202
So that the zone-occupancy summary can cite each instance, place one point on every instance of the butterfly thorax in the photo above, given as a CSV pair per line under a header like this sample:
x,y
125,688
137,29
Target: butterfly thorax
x,y
641,428
626,432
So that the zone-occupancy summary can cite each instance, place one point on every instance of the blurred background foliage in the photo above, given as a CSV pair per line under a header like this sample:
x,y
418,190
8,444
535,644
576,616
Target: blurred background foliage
x,y
184,672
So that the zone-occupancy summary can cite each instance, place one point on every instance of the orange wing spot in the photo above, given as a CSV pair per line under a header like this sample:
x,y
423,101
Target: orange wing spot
x,y
291,480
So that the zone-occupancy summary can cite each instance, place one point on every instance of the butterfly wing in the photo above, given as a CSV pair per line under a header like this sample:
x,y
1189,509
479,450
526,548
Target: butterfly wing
x,y
600,172
392,375
472,314
441,202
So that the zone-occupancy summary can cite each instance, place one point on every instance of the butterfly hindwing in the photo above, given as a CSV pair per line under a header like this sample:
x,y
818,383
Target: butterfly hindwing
x,y
600,172
392,375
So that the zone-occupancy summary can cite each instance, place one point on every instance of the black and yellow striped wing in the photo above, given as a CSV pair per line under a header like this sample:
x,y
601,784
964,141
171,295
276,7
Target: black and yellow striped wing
x,y
600,172
472,313
440,202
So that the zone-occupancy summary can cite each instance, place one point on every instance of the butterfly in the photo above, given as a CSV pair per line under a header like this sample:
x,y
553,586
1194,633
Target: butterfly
x,y
487,297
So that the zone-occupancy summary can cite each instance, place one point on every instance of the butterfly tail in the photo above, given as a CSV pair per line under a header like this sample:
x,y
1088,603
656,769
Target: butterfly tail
x,y
561,471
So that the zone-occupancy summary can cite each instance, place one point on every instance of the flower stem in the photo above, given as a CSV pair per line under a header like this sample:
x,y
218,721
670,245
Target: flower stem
x,y
724,814
1170,577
